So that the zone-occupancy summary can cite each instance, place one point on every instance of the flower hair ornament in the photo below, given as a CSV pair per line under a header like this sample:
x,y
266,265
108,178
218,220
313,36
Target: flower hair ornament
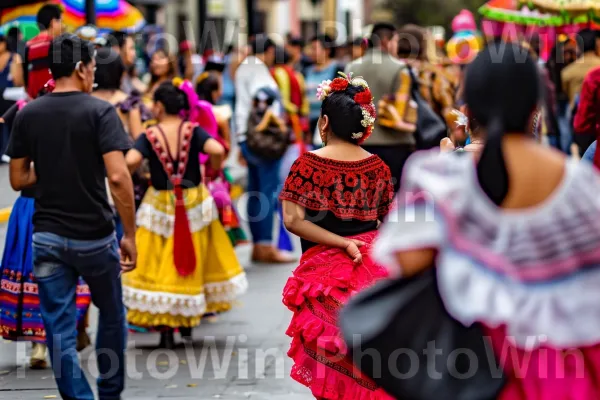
x,y
186,87
364,99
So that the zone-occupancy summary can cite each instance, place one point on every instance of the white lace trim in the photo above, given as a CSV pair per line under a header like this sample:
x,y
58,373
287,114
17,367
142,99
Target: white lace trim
x,y
228,291
164,303
562,313
162,223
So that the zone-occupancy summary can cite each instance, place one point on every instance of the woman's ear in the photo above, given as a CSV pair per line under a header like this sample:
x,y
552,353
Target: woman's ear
x,y
324,123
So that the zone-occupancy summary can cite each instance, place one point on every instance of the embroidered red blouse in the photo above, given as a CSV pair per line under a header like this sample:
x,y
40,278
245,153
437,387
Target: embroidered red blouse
x,y
344,197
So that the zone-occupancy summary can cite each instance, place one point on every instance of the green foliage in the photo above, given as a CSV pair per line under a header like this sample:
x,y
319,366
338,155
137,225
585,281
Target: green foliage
x,y
430,12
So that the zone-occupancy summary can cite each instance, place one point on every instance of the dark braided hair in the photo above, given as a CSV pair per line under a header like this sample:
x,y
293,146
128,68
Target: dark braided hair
x,y
502,91
172,98
345,115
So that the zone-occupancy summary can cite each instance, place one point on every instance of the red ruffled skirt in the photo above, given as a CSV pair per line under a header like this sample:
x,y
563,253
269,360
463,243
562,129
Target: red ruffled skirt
x,y
320,286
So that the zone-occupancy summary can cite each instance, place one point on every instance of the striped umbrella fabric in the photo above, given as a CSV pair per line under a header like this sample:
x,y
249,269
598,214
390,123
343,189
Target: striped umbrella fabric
x,y
111,15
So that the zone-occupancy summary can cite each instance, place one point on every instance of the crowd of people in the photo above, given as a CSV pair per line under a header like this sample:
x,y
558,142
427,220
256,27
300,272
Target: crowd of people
x,y
126,195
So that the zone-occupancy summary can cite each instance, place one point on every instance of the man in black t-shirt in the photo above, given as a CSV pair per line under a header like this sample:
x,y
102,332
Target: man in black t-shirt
x,y
74,141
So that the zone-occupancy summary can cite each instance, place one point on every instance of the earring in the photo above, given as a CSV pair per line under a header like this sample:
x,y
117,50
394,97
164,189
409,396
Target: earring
x,y
323,138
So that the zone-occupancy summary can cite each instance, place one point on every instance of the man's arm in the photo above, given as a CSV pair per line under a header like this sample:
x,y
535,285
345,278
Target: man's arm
x,y
121,189
22,174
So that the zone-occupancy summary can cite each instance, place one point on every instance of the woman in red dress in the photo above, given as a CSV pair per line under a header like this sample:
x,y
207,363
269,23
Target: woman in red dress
x,y
333,199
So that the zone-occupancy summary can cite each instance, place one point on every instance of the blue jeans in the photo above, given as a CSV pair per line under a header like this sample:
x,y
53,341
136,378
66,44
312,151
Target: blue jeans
x,y
564,124
58,263
590,153
263,189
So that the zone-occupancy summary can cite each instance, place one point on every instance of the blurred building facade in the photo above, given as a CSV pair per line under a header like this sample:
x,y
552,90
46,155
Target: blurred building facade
x,y
226,21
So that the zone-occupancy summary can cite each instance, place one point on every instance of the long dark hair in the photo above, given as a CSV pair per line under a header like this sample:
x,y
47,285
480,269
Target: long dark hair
x,y
172,98
206,84
502,90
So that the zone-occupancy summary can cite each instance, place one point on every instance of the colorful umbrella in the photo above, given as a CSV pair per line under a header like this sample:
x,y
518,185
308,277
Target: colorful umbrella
x,y
512,11
572,7
111,15
573,11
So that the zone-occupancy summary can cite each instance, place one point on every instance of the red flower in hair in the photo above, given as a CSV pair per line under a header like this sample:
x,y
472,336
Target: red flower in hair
x,y
368,133
339,84
364,97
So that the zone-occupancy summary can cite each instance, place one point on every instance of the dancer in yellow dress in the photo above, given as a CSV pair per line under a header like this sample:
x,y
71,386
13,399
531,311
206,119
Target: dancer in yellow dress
x,y
186,264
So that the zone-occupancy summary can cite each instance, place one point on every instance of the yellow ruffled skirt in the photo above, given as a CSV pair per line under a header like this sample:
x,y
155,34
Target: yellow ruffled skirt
x,y
154,293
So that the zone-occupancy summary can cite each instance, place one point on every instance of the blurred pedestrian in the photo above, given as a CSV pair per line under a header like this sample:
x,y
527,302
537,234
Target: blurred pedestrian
x,y
73,226
572,80
587,119
324,68
435,84
295,48
36,64
253,76
163,68
124,46
293,94
15,41
187,265
11,71
387,77
358,48
209,89
21,318
518,214
333,199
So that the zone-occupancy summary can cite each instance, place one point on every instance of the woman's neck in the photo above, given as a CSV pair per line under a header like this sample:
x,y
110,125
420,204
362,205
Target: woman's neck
x,y
105,94
170,120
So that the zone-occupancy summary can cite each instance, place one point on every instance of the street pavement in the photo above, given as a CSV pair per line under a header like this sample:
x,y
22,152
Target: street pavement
x,y
7,195
239,355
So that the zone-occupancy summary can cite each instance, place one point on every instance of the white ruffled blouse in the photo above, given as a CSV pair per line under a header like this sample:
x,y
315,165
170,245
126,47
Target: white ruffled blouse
x,y
535,270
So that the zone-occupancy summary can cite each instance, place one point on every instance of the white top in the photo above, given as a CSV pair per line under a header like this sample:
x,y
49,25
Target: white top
x,y
535,270
251,76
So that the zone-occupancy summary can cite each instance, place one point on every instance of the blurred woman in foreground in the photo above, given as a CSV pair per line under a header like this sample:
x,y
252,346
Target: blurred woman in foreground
x,y
516,247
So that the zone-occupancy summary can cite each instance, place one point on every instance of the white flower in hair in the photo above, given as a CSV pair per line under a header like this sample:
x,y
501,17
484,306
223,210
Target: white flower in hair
x,y
359,81
357,135
323,90
461,119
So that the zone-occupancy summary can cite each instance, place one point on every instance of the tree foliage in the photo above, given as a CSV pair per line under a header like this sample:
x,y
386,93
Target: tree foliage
x,y
430,12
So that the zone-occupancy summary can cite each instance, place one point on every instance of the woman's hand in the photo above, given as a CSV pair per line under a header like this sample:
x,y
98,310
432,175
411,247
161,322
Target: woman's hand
x,y
353,251
446,145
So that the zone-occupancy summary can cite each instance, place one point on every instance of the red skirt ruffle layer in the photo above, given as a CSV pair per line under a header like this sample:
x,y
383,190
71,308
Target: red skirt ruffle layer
x,y
325,279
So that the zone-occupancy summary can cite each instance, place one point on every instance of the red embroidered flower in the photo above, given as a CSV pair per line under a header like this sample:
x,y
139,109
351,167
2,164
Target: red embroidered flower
x,y
339,84
328,179
306,171
307,187
364,183
326,193
337,194
317,178
339,187
351,180
361,203
369,196
359,194
381,184
364,97
298,181
349,199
